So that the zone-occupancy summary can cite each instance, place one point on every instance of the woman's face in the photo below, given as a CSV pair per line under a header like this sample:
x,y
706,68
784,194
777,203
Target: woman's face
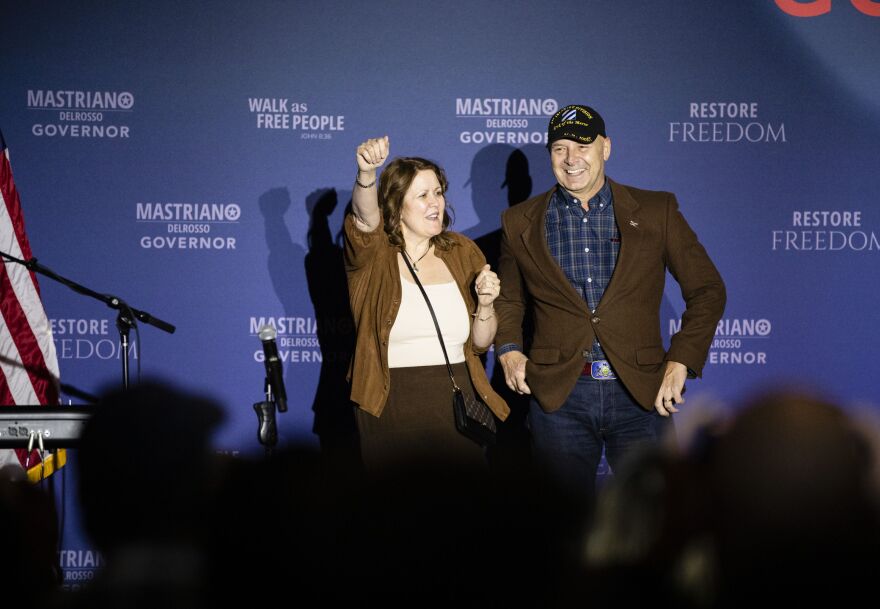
x,y
421,216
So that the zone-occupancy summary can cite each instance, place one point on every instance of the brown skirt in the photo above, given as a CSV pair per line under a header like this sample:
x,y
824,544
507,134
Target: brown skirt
x,y
417,422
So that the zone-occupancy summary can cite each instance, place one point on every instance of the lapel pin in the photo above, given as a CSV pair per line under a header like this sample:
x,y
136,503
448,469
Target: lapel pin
x,y
633,223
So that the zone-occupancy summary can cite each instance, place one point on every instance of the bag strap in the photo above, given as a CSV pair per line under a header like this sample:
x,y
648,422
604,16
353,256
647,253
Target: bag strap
x,y
436,325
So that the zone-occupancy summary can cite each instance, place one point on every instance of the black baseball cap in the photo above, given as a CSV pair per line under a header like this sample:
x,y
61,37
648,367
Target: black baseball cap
x,y
575,122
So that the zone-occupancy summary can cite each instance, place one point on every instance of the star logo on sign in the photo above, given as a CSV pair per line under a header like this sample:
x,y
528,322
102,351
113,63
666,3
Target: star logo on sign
x,y
232,212
126,100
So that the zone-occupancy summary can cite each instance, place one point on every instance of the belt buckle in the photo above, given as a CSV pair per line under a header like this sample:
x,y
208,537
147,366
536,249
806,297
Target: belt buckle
x,y
601,370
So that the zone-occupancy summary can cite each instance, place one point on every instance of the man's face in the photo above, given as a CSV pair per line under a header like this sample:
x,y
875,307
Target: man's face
x,y
580,168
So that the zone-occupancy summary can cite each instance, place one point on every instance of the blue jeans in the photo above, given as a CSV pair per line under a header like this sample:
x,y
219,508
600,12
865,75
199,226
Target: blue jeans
x,y
597,415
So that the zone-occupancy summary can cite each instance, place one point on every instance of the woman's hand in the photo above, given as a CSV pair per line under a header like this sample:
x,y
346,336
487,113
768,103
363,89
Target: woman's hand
x,y
364,197
371,154
487,286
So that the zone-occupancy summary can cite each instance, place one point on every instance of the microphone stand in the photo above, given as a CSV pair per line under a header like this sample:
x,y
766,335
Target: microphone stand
x,y
125,320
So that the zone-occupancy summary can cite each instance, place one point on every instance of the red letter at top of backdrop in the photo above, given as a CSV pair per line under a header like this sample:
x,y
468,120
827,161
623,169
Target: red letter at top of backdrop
x,y
869,7
805,9
814,8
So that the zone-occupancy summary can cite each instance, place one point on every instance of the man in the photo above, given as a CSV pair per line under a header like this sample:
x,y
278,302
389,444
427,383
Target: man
x,y
588,259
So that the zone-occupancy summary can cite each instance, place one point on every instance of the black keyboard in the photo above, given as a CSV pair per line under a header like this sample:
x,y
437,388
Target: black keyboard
x,y
59,426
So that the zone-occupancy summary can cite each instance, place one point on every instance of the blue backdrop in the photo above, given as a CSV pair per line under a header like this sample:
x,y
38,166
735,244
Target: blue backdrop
x,y
195,159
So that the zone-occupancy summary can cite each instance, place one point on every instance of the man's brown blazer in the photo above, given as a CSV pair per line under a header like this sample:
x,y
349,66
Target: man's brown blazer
x,y
654,237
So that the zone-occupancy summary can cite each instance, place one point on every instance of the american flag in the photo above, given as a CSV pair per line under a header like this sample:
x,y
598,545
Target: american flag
x,y
28,364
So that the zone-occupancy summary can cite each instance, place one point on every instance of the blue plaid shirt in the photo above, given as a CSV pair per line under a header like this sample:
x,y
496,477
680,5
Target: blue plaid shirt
x,y
584,244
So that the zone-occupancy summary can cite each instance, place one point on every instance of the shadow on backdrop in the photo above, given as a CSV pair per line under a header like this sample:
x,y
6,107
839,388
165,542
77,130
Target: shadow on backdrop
x,y
499,179
320,269
328,288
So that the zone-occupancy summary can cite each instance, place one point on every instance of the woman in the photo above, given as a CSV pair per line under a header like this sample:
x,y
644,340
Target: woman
x,y
398,375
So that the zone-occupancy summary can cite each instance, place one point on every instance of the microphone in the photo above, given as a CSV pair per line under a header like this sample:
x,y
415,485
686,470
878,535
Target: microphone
x,y
273,367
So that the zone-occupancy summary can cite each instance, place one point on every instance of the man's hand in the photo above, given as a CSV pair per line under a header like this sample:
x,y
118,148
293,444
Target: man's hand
x,y
671,388
514,365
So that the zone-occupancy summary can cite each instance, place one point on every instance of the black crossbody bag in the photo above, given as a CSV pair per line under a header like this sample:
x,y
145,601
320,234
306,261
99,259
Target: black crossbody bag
x,y
472,417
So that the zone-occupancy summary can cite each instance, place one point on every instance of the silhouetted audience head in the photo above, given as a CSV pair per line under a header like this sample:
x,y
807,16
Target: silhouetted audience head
x,y
145,463
272,529
460,537
428,533
793,511
647,525
147,474
29,571
776,505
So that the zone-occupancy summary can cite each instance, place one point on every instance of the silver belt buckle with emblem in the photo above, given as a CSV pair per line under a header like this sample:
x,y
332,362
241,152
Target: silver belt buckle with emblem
x,y
601,370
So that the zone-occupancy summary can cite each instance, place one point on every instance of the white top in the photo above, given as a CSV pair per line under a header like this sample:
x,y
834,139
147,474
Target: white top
x,y
413,340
